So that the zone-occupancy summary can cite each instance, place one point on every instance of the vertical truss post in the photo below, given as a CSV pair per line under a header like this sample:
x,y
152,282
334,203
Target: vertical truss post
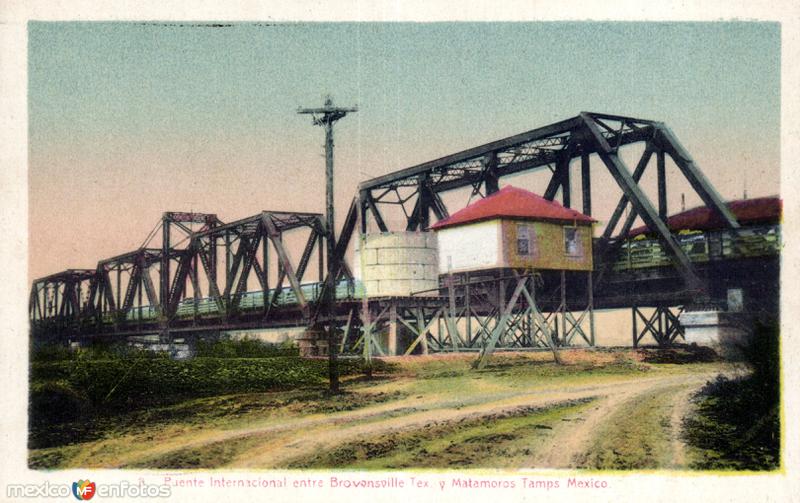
x,y
118,299
540,320
529,331
635,329
366,325
228,254
165,263
423,203
197,292
392,342
362,211
566,184
452,328
501,299
420,215
212,264
193,277
662,186
139,280
423,329
586,184
467,311
563,307
491,179
590,301
321,256
265,273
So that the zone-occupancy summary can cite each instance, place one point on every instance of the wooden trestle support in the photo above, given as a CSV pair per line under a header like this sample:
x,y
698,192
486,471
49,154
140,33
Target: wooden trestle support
x,y
508,311
662,324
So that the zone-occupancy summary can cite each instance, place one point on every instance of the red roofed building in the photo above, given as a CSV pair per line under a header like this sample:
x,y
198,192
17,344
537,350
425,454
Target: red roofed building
x,y
514,228
762,210
512,202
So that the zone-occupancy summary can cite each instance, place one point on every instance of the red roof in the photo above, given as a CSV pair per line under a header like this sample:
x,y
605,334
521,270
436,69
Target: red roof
x,y
747,211
511,202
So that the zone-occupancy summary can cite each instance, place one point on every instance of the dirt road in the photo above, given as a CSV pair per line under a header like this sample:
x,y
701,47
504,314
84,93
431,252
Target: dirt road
x,y
568,440
517,417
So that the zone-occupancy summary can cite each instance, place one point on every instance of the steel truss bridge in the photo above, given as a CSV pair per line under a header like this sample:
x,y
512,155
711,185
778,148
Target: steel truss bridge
x,y
204,280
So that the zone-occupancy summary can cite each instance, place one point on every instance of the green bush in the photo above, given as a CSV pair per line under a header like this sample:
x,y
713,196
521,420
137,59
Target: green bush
x,y
737,421
763,354
50,352
129,384
97,351
245,348
56,402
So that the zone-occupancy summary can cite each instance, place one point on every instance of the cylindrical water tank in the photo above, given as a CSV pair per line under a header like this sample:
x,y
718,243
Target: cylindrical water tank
x,y
397,264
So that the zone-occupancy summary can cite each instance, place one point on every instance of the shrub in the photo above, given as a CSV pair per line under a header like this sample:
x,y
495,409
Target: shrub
x,y
737,423
50,352
56,402
245,348
127,384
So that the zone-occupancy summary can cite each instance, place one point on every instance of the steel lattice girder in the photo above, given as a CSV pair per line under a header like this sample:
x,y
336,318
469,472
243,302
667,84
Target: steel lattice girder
x,y
250,232
553,147
66,287
109,295
137,264
533,149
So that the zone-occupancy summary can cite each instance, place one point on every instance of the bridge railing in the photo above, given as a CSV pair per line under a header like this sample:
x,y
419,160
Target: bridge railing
x,y
701,246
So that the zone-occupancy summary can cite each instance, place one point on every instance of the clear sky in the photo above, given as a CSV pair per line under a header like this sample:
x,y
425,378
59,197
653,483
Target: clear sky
x,y
129,120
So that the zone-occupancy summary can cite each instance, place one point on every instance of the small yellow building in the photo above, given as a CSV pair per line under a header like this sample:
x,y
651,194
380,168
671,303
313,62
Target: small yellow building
x,y
514,228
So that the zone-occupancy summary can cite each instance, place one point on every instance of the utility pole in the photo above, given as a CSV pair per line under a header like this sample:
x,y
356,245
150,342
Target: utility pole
x,y
325,117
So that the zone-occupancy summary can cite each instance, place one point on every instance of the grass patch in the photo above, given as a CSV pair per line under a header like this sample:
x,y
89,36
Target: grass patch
x,y
636,437
492,441
509,372
129,384
209,398
75,400
213,455
733,428
737,421
226,412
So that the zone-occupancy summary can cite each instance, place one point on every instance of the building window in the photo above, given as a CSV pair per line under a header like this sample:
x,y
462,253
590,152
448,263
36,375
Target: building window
x,y
523,240
572,242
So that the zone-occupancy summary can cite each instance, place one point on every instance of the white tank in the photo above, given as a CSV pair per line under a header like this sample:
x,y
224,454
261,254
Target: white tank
x,y
397,264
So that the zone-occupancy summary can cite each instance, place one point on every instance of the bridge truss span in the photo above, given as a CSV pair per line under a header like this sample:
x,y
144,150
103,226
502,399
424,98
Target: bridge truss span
x,y
259,271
